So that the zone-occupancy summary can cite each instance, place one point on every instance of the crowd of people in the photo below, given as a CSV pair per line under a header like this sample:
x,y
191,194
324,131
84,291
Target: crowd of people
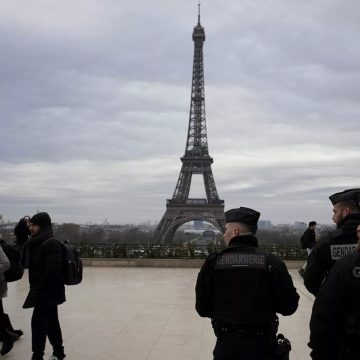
x,y
241,289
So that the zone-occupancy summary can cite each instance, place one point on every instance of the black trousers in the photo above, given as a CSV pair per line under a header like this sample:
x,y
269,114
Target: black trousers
x,y
45,322
235,346
2,321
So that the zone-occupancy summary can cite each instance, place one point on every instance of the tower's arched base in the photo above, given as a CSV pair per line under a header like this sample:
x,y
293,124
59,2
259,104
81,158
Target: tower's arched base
x,y
177,214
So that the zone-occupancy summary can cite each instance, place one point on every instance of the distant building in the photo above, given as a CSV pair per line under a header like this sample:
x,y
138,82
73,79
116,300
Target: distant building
x,y
265,224
300,225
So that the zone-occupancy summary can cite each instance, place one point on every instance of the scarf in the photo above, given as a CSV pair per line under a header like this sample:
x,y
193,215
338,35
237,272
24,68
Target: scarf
x,y
34,242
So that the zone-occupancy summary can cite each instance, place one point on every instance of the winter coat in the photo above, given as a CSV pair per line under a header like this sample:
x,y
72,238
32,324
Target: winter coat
x,y
308,239
42,255
4,265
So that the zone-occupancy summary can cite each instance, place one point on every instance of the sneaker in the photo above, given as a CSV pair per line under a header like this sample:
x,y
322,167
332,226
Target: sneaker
x,y
53,357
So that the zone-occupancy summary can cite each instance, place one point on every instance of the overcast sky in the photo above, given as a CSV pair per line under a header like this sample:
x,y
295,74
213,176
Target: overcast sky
x,y
95,98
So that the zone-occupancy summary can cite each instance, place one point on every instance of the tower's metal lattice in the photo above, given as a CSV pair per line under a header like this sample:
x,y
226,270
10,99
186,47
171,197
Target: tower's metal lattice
x,y
180,209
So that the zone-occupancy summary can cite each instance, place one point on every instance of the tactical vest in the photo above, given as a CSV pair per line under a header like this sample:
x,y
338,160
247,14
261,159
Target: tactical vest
x,y
242,288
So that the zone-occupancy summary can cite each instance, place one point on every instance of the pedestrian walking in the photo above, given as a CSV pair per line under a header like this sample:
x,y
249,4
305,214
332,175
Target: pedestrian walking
x,y
308,241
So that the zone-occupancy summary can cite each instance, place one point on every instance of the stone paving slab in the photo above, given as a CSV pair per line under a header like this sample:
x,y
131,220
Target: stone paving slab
x,y
139,314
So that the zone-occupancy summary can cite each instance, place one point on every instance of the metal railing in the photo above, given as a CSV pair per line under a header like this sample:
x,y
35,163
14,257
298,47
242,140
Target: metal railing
x,y
167,251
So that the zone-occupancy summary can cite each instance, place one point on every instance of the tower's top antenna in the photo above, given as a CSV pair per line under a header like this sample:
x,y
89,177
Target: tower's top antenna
x,y
198,33
199,13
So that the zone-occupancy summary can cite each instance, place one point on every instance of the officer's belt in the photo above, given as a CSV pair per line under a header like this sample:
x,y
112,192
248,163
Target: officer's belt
x,y
245,330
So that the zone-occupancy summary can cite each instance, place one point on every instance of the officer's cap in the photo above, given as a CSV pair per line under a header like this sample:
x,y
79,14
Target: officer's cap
x,y
242,215
347,195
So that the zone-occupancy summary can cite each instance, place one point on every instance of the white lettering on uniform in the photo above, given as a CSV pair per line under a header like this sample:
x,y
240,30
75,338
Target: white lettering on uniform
x,y
241,260
338,251
356,271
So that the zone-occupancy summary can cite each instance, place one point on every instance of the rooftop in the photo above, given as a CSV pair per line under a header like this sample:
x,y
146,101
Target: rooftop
x,y
139,314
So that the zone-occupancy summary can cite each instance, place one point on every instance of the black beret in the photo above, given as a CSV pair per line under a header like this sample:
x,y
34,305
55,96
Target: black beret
x,y
347,195
41,219
242,215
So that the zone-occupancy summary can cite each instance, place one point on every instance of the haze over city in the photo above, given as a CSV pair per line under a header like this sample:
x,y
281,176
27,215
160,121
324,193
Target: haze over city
x,y
95,104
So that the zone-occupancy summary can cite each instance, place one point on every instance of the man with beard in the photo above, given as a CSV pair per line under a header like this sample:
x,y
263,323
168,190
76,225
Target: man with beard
x,y
42,255
346,215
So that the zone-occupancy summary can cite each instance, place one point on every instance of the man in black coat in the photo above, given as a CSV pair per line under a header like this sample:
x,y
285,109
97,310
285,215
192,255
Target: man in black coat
x,y
308,238
241,289
346,215
335,318
42,255
308,241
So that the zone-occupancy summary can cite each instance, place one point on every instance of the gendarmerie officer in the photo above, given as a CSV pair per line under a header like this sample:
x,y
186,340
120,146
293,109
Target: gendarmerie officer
x,y
241,289
346,215
335,318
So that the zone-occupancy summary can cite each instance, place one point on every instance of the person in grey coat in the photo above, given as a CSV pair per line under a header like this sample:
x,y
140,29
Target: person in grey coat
x,y
7,336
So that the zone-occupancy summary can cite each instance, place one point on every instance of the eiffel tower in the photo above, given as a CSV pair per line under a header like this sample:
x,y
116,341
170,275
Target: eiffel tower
x,y
181,209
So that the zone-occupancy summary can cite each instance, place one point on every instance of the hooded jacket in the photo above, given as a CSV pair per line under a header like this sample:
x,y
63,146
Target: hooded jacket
x,y
42,255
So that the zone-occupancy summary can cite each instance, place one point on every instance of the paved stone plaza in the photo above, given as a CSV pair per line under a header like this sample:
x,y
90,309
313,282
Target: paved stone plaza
x,y
139,314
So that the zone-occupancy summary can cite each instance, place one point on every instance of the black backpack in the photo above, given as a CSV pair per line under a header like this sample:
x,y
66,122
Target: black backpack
x,y
72,264
16,271
73,267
